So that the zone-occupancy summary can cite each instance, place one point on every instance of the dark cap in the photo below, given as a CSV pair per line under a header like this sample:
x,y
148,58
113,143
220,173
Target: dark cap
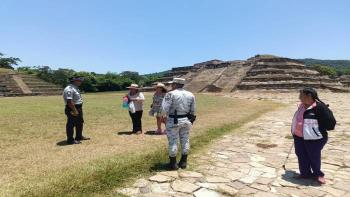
x,y
77,78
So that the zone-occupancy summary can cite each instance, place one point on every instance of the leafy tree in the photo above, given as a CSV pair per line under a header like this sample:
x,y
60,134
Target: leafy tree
x,y
7,62
89,84
331,63
92,82
27,69
61,76
134,76
325,70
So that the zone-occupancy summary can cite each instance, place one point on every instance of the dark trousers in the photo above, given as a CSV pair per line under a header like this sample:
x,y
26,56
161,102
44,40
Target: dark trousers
x,y
136,121
309,156
74,122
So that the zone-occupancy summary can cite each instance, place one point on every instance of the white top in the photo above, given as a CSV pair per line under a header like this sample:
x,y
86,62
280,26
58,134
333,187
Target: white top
x,y
180,100
139,103
72,92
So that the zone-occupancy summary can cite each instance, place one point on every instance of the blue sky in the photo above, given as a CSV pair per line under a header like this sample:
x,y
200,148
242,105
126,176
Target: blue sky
x,y
155,35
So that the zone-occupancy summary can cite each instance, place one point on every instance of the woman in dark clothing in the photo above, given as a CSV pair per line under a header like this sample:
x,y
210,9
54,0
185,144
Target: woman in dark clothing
x,y
309,129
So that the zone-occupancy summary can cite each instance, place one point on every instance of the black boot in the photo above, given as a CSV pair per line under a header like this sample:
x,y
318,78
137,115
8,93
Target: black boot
x,y
173,164
183,162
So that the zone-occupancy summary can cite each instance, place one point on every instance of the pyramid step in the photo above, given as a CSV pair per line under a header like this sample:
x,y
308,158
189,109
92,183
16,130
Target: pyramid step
x,y
285,78
294,72
279,66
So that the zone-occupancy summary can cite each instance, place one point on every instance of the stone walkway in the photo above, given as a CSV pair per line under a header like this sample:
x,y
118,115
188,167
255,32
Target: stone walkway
x,y
250,164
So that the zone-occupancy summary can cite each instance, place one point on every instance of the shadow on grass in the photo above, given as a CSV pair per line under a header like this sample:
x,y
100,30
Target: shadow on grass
x,y
63,143
291,177
152,133
159,167
125,133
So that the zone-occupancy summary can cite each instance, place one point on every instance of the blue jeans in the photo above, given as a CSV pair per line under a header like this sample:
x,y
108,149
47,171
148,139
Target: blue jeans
x,y
309,156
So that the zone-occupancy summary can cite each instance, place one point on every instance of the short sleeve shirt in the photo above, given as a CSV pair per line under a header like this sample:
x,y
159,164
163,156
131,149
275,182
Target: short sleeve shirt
x,y
180,100
72,92
157,102
138,105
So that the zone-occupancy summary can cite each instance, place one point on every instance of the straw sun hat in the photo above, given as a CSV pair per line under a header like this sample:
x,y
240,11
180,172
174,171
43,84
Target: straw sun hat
x,y
161,85
133,86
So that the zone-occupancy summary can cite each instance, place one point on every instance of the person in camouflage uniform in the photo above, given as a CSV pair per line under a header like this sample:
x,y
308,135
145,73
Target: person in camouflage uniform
x,y
179,106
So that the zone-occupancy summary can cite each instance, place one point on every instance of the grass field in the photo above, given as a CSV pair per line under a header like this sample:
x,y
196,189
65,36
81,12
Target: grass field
x,y
35,162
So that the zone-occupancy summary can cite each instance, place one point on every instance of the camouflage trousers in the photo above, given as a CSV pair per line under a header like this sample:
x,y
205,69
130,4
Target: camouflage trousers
x,y
180,131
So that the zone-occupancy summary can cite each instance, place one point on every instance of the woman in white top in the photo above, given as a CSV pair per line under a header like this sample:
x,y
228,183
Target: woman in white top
x,y
136,100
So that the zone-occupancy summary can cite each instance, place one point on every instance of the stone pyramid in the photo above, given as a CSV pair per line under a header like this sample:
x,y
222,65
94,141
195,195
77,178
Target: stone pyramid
x,y
262,72
277,73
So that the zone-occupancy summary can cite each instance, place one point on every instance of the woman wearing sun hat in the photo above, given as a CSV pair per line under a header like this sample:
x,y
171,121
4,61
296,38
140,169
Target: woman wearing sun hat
x,y
156,106
136,100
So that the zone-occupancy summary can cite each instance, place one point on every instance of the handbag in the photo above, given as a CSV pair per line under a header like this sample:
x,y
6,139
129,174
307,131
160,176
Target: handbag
x,y
132,107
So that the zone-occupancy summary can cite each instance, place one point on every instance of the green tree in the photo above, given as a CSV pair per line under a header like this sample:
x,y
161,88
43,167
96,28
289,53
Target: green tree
x,y
134,76
325,70
89,83
8,62
92,82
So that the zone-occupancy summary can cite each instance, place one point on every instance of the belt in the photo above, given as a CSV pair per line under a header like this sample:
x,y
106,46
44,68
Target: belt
x,y
78,105
178,116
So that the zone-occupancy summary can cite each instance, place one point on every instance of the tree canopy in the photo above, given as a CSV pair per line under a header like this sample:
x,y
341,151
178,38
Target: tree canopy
x,y
325,70
92,82
8,62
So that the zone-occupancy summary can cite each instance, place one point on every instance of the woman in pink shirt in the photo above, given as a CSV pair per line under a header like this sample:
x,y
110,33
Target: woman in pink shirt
x,y
309,128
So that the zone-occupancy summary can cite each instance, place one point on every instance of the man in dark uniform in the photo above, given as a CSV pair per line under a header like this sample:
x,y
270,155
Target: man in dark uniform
x,y
74,111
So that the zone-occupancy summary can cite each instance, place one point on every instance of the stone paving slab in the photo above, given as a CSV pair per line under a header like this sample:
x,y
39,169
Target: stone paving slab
x,y
250,164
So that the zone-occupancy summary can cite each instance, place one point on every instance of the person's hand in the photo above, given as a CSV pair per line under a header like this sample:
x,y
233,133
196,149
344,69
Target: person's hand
x,y
164,118
74,113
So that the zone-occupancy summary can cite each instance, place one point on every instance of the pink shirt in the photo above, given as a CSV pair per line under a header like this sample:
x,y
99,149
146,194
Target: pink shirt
x,y
299,121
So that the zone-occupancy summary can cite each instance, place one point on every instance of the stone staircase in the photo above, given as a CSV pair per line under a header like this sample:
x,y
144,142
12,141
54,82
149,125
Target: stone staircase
x,y
41,87
10,88
14,84
230,78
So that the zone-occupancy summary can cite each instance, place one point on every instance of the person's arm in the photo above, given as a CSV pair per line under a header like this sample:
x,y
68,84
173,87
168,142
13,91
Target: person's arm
x,y
193,106
69,96
140,98
71,105
153,101
166,104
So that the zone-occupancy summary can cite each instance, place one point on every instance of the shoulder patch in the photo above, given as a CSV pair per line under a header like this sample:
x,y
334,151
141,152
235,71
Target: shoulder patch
x,y
167,97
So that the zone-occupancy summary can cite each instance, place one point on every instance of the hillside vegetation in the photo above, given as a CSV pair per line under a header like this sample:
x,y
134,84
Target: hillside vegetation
x,y
93,82
329,67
